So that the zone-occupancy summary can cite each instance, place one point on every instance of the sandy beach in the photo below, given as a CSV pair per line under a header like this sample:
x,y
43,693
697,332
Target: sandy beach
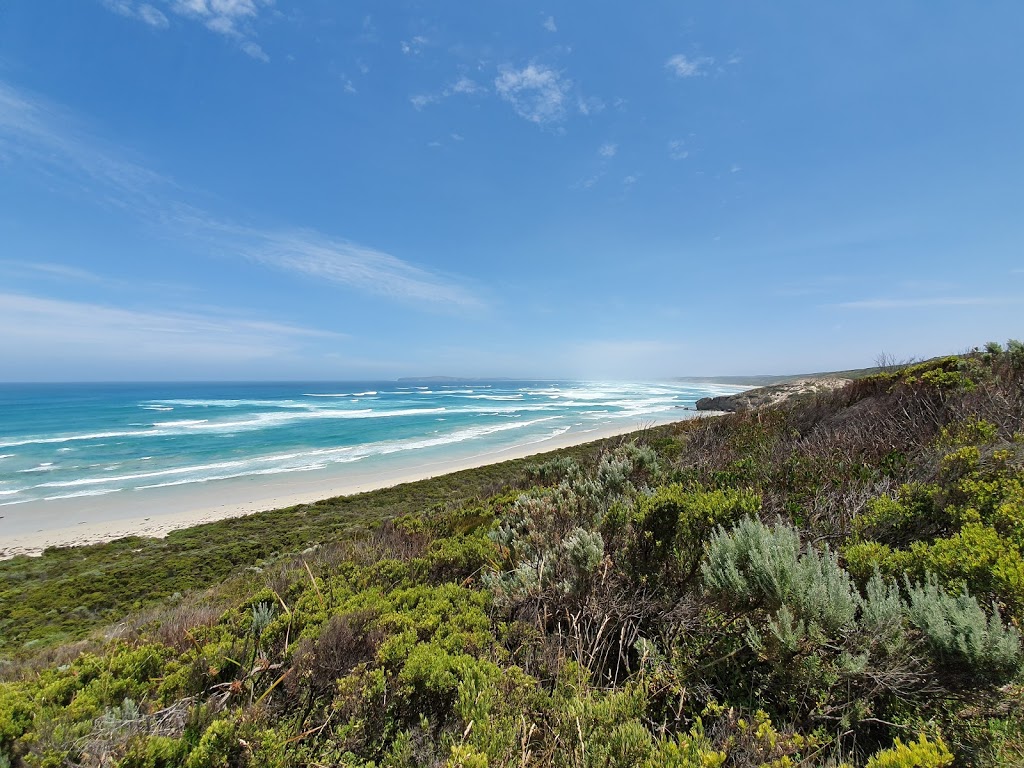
x,y
28,529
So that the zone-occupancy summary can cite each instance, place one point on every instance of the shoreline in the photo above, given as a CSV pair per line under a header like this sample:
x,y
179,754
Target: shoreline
x,y
188,507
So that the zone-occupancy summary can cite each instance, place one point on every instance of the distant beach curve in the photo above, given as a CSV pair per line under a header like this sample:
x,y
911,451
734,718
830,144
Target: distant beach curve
x,y
82,463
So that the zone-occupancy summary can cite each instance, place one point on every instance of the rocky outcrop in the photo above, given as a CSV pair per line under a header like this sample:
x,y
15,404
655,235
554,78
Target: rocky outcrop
x,y
765,397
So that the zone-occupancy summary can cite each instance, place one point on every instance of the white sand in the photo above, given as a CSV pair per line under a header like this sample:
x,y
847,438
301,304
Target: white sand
x,y
30,528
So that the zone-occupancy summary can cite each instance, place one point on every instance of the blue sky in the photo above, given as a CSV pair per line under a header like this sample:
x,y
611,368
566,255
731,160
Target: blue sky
x,y
247,189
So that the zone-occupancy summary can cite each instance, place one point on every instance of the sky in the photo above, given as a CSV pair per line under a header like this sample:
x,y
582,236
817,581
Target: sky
x,y
276,189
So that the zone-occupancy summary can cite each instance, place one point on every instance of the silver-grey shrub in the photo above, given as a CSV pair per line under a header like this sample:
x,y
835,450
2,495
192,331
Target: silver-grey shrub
x,y
959,632
810,596
762,566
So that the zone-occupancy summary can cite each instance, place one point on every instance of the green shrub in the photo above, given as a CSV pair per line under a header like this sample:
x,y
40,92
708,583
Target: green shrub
x,y
671,526
962,636
914,754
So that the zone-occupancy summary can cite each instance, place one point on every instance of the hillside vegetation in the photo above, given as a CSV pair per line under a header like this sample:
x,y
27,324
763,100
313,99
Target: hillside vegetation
x,y
835,581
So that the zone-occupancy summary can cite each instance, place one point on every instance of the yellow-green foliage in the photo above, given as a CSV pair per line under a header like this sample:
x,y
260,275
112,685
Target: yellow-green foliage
x,y
967,528
585,621
914,754
943,373
671,526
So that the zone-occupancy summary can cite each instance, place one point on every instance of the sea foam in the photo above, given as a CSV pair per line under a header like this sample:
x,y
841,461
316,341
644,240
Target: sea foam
x,y
207,433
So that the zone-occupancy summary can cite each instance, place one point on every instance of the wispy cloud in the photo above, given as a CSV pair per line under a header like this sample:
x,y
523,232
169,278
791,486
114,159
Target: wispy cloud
x,y
37,328
37,134
231,18
590,105
464,86
143,12
589,181
37,273
253,49
40,133
812,285
681,65
340,261
421,100
537,93
608,150
677,150
414,47
919,303
52,271
467,86
549,24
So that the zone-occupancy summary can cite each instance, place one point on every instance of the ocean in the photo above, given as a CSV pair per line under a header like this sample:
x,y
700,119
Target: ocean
x,y
73,441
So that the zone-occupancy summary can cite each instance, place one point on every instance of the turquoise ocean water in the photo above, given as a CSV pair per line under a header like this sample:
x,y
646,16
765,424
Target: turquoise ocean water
x,y
66,441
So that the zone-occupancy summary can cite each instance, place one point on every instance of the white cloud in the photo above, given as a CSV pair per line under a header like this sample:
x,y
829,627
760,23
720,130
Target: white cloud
x,y
222,15
630,180
588,182
537,93
608,150
919,303
37,132
421,100
152,16
467,86
230,18
340,261
49,337
683,66
549,24
591,105
143,12
253,49
415,46
34,132
48,270
464,86
677,150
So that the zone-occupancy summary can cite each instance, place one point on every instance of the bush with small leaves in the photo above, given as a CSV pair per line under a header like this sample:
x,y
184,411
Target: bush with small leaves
x,y
584,551
670,527
1015,353
753,563
627,468
914,754
962,637
556,470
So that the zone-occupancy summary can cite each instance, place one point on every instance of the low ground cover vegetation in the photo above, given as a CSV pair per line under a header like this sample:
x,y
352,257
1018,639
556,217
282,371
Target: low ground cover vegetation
x,y
834,582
